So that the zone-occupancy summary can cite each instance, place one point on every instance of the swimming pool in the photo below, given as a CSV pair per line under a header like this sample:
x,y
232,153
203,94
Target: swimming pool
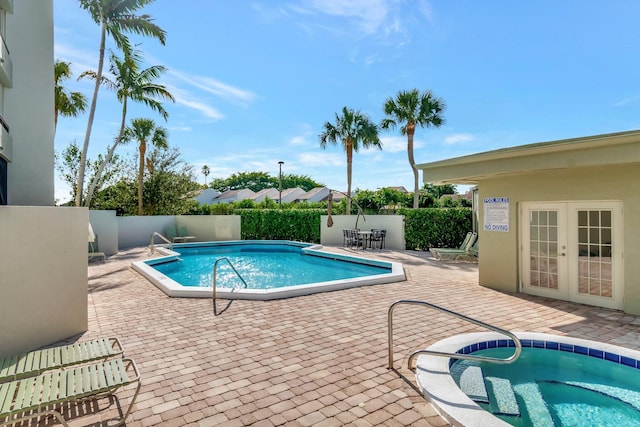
x,y
271,269
557,381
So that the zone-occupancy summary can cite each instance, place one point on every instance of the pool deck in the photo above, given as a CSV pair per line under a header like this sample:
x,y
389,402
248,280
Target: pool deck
x,y
310,360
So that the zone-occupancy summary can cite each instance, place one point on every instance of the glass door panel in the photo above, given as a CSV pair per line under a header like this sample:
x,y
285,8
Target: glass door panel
x,y
543,232
573,251
544,259
594,252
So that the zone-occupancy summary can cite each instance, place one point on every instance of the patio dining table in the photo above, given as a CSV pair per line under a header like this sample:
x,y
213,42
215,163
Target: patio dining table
x,y
365,237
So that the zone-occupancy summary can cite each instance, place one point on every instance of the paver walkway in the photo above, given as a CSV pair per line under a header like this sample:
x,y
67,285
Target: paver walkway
x,y
311,360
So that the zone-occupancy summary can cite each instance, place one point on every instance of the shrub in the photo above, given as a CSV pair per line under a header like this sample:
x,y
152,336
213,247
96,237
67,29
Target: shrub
x,y
435,227
281,224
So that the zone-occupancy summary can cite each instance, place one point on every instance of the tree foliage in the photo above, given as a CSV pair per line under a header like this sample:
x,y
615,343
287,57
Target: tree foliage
x,y
353,130
130,83
66,103
256,181
68,162
168,187
116,18
410,109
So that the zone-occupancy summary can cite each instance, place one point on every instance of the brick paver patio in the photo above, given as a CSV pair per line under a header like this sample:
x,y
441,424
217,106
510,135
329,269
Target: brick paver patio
x,y
311,360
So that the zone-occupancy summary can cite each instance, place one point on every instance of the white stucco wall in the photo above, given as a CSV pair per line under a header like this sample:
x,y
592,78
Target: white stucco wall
x,y
28,106
137,230
105,226
498,263
43,276
394,224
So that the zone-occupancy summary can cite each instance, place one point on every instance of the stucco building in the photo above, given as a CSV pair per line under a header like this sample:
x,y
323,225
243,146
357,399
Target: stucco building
x,y
43,261
557,219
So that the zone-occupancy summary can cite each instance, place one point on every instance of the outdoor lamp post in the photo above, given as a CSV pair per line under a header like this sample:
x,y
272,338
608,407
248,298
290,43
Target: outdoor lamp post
x,y
280,183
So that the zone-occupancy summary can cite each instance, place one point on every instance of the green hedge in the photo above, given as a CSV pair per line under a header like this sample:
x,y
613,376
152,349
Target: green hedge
x,y
435,227
424,228
275,224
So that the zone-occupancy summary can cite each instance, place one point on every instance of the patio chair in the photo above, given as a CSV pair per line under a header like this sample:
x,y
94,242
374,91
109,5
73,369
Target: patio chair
x,y
470,254
347,238
377,238
36,397
184,234
466,244
35,362
178,234
352,238
94,251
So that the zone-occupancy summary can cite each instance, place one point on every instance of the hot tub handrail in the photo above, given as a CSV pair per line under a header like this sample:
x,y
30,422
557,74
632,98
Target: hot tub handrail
x,y
215,279
151,244
510,359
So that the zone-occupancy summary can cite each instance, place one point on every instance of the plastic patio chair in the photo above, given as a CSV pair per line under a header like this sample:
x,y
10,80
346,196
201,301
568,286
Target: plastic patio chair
x,y
94,251
35,397
464,247
35,362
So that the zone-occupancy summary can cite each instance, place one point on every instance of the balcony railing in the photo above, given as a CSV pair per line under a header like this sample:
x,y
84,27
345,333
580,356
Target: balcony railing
x,y
6,66
6,141
7,5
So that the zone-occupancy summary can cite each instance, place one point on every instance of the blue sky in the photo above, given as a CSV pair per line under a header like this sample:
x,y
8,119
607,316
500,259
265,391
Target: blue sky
x,y
254,81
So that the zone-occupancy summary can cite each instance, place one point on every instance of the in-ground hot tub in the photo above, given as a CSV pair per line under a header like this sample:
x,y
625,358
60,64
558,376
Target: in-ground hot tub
x,y
556,381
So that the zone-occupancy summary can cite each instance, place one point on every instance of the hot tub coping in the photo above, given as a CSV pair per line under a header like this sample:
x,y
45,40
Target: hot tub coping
x,y
437,385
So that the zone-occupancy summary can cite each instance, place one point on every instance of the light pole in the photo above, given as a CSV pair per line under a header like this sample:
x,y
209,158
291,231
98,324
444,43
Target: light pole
x,y
280,183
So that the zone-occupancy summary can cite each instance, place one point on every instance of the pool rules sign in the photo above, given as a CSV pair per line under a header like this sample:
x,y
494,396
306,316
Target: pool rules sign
x,y
496,214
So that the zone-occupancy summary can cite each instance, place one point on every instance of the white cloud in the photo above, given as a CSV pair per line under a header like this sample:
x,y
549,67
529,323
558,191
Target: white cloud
x,y
323,159
81,60
217,88
369,14
186,99
397,144
298,140
303,138
458,138
181,128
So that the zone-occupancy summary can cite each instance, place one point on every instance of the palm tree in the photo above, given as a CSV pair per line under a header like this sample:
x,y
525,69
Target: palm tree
x,y
145,131
412,108
115,18
67,104
129,83
353,129
205,171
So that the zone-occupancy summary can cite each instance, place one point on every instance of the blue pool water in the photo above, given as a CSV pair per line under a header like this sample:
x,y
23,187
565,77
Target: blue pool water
x,y
556,388
263,266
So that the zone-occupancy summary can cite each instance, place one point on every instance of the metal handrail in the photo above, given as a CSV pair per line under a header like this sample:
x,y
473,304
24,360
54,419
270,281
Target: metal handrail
x,y
215,280
151,245
510,359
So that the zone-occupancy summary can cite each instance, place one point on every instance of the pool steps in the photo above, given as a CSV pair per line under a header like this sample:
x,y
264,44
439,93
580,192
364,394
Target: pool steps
x,y
537,408
504,402
472,383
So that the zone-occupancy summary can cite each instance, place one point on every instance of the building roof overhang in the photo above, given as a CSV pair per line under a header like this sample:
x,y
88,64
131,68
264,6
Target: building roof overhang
x,y
591,151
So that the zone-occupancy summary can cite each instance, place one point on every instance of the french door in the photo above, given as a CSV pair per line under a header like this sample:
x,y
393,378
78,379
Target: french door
x,y
573,251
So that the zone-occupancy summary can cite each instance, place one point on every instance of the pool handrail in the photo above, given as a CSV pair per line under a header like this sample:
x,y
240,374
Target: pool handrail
x,y
215,280
415,354
151,244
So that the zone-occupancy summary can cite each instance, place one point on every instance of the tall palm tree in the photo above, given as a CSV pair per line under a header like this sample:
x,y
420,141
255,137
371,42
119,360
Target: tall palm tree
x,y
129,83
115,17
145,131
67,104
205,171
352,129
410,108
